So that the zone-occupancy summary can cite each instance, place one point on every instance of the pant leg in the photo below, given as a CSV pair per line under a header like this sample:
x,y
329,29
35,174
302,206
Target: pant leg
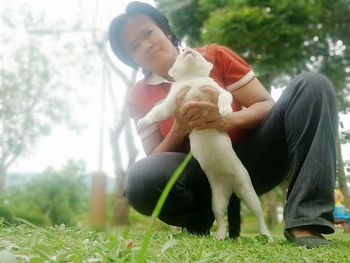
x,y
312,153
189,202
298,138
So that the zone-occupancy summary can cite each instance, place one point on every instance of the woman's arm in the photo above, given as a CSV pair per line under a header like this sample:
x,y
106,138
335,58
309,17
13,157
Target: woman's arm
x,y
257,102
253,96
174,140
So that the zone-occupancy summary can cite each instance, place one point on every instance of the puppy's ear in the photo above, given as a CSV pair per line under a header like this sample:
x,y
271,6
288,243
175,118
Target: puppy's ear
x,y
210,66
171,72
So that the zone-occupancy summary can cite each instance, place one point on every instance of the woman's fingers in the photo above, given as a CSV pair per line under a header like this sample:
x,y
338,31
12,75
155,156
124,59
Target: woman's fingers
x,y
203,121
212,93
201,105
180,97
200,115
192,113
197,112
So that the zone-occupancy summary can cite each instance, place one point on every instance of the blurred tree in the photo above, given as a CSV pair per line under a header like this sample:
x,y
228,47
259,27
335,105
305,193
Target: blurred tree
x,y
36,86
52,198
96,46
121,134
121,204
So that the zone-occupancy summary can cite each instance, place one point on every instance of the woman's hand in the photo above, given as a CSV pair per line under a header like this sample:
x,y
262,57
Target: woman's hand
x,y
200,115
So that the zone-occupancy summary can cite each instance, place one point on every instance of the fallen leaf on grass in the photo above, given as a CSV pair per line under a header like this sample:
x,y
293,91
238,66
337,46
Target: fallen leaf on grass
x,y
169,244
129,244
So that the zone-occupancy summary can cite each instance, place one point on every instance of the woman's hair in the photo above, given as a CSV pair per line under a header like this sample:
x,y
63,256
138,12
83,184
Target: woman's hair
x,y
133,9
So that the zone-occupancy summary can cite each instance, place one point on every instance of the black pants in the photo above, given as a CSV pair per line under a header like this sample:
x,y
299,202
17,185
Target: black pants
x,y
296,138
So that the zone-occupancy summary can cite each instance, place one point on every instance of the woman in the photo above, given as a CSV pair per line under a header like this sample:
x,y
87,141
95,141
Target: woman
x,y
294,136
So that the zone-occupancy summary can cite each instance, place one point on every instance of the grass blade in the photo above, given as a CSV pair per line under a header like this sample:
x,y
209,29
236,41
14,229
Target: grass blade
x,y
147,238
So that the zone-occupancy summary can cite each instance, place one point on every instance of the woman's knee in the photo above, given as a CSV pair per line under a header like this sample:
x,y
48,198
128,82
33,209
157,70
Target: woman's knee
x,y
312,90
315,84
137,189
146,179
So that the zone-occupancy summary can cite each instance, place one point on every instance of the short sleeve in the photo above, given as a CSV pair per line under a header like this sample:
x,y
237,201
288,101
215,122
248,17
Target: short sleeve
x,y
142,98
230,68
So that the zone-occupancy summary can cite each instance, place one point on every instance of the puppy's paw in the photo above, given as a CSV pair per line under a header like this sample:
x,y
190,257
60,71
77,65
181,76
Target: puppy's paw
x,y
269,237
144,122
225,111
265,232
221,234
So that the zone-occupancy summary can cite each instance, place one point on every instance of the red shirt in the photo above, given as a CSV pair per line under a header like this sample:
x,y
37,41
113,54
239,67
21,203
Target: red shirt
x,y
228,70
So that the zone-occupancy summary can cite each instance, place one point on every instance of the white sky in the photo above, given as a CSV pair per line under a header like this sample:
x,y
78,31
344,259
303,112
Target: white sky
x,y
64,144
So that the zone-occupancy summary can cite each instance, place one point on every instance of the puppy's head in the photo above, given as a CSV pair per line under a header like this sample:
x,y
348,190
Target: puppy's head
x,y
190,63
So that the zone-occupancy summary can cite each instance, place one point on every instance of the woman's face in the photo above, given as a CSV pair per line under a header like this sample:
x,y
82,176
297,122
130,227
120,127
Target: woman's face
x,y
147,45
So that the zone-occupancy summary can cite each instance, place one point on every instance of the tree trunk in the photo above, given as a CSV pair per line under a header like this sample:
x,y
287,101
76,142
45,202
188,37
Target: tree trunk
x,y
3,172
120,211
341,175
121,203
271,202
98,199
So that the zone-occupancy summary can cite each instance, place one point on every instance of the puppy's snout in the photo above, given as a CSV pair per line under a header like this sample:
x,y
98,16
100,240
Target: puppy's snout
x,y
187,52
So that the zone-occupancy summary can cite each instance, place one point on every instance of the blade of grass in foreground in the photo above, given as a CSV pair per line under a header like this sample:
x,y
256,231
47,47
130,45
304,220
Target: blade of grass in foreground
x,y
147,238
23,221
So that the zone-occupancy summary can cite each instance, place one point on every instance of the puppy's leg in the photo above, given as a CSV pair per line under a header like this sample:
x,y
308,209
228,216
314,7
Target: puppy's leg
x,y
164,110
157,113
224,98
224,103
220,200
248,195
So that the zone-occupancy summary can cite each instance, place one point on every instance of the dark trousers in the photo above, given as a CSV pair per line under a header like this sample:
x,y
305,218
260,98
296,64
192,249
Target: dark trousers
x,y
297,139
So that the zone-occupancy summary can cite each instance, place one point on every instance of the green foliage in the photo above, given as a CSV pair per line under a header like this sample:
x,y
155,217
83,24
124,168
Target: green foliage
x,y
52,198
266,39
191,14
277,38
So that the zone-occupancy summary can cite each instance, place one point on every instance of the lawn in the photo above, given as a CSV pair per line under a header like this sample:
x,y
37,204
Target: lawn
x,y
28,243
149,240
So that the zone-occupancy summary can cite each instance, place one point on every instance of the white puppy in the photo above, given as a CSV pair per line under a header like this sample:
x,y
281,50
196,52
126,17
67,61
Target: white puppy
x,y
212,148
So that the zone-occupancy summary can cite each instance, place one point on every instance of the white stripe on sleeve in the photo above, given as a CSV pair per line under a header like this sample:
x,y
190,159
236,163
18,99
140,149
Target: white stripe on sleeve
x,y
246,78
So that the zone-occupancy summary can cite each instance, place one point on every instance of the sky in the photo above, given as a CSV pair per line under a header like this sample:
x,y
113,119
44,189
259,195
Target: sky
x,y
64,144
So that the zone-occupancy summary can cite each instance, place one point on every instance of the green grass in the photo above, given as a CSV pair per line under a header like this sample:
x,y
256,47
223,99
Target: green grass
x,y
149,240
63,244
